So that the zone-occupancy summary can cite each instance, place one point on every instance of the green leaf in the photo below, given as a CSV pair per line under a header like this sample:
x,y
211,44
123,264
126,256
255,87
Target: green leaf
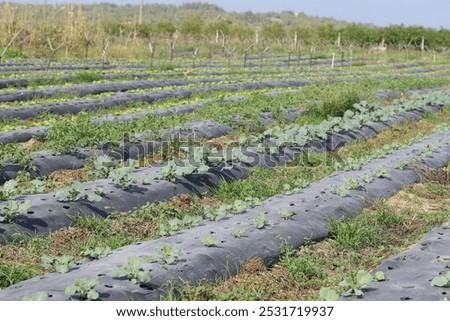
x,y
133,263
347,293
62,268
209,241
440,281
238,232
143,276
260,221
328,294
287,214
92,295
346,282
94,198
149,259
92,283
170,260
47,261
97,253
359,293
363,278
38,296
379,276
202,168
70,290
119,272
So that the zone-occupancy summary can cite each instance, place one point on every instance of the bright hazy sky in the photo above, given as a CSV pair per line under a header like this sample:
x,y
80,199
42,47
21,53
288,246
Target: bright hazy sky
x,y
428,13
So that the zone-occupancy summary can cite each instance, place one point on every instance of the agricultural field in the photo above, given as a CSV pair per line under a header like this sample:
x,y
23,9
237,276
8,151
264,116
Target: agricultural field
x,y
241,176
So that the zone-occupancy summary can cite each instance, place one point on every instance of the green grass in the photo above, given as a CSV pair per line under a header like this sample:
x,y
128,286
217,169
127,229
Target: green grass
x,y
335,104
12,274
355,234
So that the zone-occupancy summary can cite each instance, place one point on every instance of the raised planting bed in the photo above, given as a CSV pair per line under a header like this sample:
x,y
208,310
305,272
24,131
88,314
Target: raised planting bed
x,y
47,213
46,162
76,106
196,257
95,89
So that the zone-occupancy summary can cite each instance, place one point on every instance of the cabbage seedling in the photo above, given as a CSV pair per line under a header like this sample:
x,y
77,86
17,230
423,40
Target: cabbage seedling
x,y
83,289
132,271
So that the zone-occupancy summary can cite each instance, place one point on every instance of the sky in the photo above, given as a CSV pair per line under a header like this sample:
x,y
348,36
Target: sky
x,y
428,13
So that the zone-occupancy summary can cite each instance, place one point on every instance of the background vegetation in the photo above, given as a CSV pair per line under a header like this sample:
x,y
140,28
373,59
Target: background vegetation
x,y
80,31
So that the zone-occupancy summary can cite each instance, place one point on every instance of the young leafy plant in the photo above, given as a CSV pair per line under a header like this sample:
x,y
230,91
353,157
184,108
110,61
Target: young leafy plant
x,y
171,227
260,221
132,271
191,220
83,289
368,178
382,173
70,194
238,232
216,214
353,285
341,190
176,168
286,214
442,281
97,253
379,276
122,177
36,187
352,183
9,189
60,264
168,254
401,165
209,241
103,166
96,196
13,210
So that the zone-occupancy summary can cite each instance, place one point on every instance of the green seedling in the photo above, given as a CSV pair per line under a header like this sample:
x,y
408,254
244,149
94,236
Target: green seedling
x,y
97,253
238,232
61,264
83,289
36,187
13,210
341,190
168,254
354,285
9,189
209,241
368,178
122,177
382,173
352,183
132,271
70,194
260,221
286,214
442,281
103,166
